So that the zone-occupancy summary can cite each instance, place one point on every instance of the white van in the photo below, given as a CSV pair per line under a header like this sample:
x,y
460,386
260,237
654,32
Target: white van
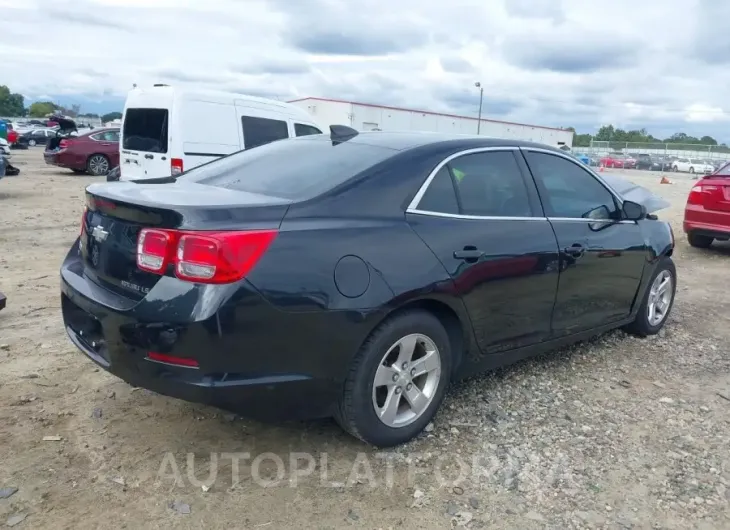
x,y
167,130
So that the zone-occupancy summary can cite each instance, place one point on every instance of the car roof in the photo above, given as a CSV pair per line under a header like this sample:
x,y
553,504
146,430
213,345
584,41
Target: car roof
x,y
401,141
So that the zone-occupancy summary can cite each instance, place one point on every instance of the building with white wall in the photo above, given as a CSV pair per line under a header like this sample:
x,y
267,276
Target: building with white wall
x,y
367,117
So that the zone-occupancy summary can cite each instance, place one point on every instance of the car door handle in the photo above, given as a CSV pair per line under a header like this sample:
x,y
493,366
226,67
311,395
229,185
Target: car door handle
x,y
149,157
576,250
468,254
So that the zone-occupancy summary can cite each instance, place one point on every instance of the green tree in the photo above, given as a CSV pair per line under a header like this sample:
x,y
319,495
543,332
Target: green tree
x,y
11,105
111,116
41,109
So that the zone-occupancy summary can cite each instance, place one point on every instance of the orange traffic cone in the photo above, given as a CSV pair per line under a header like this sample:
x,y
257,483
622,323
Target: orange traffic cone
x,y
665,180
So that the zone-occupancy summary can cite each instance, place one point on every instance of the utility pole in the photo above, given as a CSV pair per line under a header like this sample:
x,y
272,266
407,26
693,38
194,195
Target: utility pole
x,y
481,97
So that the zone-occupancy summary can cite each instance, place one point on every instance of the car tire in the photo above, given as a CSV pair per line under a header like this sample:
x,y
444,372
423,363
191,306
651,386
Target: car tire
x,y
645,324
98,165
32,143
675,169
699,241
691,170
358,410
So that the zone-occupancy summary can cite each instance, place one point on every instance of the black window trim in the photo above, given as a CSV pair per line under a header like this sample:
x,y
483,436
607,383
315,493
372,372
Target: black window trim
x,y
413,205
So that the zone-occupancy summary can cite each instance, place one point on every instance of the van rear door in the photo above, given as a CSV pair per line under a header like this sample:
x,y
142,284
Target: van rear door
x,y
144,143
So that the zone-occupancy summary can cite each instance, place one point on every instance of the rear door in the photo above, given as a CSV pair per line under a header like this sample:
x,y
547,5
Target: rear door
x,y
145,143
482,219
602,257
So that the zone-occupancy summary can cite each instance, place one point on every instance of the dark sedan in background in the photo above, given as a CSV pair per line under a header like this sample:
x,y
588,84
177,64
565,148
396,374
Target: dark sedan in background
x,y
356,275
95,153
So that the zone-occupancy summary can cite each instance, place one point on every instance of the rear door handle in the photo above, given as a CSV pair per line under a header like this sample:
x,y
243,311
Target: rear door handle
x,y
468,254
149,157
576,250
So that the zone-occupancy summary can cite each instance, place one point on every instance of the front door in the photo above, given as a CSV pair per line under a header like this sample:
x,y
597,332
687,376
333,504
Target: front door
x,y
482,218
602,256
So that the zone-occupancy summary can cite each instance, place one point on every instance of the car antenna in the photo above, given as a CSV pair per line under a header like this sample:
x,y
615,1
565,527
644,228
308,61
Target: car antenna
x,y
341,133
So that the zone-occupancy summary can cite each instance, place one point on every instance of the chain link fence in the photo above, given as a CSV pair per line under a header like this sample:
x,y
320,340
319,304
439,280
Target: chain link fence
x,y
710,152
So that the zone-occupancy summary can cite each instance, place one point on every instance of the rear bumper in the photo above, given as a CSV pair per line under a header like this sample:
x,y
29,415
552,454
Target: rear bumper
x,y
712,223
254,359
50,158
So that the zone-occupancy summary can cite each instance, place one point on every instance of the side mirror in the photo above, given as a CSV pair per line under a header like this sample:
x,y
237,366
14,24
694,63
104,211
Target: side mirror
x,y
634,211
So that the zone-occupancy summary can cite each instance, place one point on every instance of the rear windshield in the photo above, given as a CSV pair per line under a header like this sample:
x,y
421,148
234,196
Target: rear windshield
x,y
145,130
295,169
724,171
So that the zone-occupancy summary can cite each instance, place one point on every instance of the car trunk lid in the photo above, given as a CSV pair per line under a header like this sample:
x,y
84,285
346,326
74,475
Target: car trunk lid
x,y
716,193
116,212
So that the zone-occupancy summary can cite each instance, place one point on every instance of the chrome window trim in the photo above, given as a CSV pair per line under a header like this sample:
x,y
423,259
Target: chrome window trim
x,y
473,217
422,190
581,166
413,206
506,218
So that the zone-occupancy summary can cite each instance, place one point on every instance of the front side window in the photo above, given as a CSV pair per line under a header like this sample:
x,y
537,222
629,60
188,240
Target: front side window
x,y
305,130
569,191
262,131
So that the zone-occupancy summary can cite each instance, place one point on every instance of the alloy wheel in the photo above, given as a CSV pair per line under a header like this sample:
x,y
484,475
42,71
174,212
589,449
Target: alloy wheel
x,y
660,298
98,165
406,380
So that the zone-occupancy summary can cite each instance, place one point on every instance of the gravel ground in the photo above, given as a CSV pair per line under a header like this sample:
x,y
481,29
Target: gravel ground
x,y
615,433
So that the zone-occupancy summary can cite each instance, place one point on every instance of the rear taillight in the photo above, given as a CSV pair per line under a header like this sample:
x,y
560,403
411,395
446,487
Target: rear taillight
x,y
153,250
204,257
63,144
176,166
696,194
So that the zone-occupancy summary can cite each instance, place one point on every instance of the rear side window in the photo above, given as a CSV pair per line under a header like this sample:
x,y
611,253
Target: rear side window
x,y
145,130
295,169
491,185
106,136
261,131
305,130
440,196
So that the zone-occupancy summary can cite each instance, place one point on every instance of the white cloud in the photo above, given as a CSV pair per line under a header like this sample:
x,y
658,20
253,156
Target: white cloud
x,y
583,63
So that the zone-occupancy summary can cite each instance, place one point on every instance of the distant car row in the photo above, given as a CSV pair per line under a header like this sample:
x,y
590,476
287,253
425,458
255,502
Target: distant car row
x,y
651,162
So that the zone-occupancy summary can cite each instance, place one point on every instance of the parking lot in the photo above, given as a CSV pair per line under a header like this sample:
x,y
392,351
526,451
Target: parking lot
x,y
619,432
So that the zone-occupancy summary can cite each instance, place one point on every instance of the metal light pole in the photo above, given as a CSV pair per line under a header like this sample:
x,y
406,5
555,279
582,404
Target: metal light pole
x,y
481,97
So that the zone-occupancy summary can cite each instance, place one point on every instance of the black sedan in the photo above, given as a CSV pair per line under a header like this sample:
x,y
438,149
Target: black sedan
x,y
357,275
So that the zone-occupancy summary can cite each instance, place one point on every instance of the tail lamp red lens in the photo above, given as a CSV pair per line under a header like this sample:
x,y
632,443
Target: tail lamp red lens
x,y
204,257
696,194
176,166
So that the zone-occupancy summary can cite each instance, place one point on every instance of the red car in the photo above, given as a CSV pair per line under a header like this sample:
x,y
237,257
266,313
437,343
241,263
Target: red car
x,y
707,214
612,160
96,152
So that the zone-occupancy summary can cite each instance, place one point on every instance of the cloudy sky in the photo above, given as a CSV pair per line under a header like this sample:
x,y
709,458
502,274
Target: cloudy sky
x,y
663,65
